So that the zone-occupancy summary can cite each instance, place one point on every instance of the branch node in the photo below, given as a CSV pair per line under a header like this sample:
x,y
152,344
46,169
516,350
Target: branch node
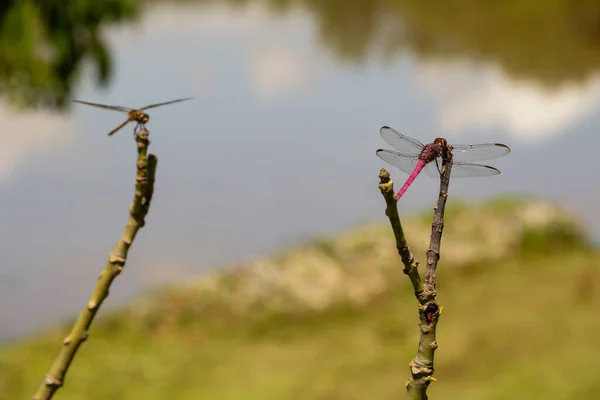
x,y
142,164
430,311
419,370
116,258
142,135
52,380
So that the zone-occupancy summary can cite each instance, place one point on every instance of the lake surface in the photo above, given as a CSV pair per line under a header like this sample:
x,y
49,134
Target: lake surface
x,y
277,147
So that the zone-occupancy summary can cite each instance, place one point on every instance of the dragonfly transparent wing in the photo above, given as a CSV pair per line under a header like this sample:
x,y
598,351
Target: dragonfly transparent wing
x,y
465,170
165,103
400,142
433,168
460,170
478,152
107,107
404,162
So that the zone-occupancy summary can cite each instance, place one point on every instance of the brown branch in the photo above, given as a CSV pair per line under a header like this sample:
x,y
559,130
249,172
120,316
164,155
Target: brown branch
x,y
144,187
437,227
421,367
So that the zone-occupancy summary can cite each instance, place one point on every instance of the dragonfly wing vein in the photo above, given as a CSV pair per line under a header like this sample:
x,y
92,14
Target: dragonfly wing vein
x,y
165,103
479,152
464,170
400,142
404,162
105,106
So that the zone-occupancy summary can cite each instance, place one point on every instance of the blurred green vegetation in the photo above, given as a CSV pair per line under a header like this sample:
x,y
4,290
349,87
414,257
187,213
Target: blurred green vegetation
x,y
336,319
44,42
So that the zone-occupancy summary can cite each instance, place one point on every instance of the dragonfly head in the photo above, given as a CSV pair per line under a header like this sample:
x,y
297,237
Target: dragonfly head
x,y
139,116
441,142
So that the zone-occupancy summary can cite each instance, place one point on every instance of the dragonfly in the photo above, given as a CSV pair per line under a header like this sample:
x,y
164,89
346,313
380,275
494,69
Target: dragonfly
x,y
134,115
413,157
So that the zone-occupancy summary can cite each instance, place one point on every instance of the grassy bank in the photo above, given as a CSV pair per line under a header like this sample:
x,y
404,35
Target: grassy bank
x,y
336,319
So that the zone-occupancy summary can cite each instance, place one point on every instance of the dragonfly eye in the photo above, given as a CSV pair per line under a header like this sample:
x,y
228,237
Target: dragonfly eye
x,y
145,118
441,142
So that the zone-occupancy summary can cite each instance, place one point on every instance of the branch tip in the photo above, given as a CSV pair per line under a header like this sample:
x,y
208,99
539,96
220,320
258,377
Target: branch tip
x,y
384,176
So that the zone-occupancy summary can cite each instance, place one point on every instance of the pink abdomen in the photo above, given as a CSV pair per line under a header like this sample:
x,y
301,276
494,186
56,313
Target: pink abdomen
x,y
411,178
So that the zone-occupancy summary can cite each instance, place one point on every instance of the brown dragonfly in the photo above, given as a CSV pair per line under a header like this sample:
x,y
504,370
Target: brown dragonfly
x,y
138,115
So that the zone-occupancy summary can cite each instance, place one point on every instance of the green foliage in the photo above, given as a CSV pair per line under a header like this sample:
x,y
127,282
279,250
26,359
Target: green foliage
x,y
43,44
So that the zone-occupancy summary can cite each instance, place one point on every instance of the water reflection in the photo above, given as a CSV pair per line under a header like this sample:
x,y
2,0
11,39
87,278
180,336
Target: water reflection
x,y
28,134
277,146
473,96
528,39
550,45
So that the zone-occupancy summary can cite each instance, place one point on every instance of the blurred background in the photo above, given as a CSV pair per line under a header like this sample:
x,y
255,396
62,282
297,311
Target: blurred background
x,y
276,149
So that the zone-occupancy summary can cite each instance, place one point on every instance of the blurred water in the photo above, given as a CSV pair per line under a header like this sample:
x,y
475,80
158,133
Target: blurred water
x,y
278,146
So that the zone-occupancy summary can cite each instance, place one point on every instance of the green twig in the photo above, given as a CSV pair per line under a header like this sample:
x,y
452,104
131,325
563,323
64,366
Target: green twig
x,y
421,367
144,188
386,186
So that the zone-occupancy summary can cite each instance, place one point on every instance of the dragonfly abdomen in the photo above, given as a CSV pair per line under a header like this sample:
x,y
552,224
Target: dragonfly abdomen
x,y
418,168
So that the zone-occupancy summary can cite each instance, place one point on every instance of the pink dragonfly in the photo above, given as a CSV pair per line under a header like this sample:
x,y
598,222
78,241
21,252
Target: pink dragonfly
x,y
413,156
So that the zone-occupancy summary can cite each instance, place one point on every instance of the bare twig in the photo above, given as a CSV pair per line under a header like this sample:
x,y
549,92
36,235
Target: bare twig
x,y
386,186
421,367
144,188
437,227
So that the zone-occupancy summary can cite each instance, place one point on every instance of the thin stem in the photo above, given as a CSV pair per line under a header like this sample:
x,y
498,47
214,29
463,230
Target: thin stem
x,y
144,188
437,227
386,186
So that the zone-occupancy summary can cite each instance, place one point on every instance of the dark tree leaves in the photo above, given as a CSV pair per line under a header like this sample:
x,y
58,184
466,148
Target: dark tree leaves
x,y
43,44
